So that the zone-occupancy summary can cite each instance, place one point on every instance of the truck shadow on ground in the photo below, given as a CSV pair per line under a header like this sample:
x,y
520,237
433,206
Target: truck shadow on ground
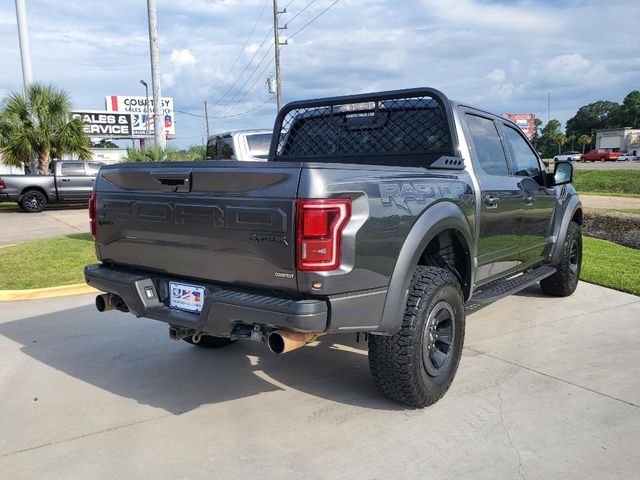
x,y
134,358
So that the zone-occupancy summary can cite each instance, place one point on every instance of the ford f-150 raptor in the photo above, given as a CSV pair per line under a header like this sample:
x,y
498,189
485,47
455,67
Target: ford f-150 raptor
x,y
385,214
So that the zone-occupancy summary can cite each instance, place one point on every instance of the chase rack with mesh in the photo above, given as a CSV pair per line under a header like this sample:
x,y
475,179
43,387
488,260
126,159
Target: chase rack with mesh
x,y
412,128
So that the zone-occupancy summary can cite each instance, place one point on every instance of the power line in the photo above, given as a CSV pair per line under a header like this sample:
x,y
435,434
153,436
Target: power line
x,y
312,20
301,11
235,82
241,89
211,117
246,42
258,77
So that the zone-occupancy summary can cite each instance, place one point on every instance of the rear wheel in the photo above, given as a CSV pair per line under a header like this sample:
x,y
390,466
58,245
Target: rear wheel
x,y
416,365
33,201
209,341
564,282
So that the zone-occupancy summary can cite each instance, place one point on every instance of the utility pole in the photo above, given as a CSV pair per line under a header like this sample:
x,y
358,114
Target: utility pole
x,y
158,116
23,36
549,107
143,141
276,41
206,117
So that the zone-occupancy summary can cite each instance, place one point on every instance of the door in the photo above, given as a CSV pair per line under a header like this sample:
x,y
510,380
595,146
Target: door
x,y
538,201
73,183
501,200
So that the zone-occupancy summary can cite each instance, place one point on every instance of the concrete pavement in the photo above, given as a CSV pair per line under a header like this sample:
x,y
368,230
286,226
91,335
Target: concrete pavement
x,y
18,226
547,388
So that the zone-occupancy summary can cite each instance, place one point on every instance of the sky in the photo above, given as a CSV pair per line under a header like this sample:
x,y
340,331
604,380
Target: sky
x,y
503,56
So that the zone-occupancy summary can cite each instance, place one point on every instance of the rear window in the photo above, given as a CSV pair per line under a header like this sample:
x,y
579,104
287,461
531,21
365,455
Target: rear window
x,y
220,148
411,131
259,144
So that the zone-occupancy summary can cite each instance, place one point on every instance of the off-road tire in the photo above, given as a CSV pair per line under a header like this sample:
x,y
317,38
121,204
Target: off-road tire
x,y
33,201
209,341
564,282
397,362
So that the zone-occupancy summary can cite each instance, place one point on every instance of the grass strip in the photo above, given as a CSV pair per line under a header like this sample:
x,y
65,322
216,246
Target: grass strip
x,y
611,265
46,263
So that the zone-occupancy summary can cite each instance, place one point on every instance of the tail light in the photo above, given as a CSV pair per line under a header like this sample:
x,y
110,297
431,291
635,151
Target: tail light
x,y
2,184
92,215
319,232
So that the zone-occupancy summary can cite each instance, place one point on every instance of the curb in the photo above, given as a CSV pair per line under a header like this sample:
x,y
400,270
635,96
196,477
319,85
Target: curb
x,y
63,291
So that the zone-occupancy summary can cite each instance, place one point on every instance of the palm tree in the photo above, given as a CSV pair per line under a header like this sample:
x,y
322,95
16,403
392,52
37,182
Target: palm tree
x,y
559,139
38,124
584,140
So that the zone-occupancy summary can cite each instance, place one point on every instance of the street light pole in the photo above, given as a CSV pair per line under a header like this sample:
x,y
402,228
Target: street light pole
x,y
146,108
23,36
158,116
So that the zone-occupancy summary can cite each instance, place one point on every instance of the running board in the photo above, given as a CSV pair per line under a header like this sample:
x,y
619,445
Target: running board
x,y
504,287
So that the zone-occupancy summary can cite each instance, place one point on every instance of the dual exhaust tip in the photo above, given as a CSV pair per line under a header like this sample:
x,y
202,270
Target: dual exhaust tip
x,y
278,341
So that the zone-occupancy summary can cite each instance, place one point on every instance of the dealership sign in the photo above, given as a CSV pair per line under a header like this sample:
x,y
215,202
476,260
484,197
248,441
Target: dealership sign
x,y
101,124
137,107
526,122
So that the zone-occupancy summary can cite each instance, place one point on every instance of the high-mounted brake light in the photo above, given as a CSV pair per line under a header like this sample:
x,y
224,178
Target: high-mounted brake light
x,y
92,215
319,233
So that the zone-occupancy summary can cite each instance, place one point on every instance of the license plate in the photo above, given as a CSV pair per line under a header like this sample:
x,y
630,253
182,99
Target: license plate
x,y
186,297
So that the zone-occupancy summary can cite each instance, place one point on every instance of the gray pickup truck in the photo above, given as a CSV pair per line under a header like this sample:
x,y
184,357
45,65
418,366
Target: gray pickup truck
x,y
386,214
69,182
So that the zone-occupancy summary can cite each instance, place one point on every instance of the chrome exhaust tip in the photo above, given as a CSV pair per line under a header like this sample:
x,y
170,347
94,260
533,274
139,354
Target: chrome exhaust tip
x,y
281,341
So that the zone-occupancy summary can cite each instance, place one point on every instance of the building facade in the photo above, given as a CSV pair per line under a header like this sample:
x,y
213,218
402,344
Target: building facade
x,y
626,140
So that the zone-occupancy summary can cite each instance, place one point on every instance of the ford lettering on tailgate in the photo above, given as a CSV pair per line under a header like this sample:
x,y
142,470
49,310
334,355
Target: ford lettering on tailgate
x,y
234,217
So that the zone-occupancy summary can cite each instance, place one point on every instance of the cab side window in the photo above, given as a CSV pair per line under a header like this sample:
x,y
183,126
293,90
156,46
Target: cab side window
x,y
488,146
524,159
73,169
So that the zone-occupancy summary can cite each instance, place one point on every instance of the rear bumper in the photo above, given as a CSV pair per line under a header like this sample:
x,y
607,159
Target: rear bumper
x,y
223,308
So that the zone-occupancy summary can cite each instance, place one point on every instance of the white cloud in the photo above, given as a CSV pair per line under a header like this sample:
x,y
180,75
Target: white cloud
x,y
523,16
503,56
497,75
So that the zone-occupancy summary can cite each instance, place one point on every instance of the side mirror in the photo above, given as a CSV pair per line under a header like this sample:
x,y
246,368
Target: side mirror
x,y
563,173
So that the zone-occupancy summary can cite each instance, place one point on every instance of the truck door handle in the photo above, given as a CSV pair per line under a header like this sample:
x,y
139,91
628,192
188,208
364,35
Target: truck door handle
x,y
529,199
491,201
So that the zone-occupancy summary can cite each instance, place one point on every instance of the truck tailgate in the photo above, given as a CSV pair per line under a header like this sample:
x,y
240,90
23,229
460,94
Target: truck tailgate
x,y
225,222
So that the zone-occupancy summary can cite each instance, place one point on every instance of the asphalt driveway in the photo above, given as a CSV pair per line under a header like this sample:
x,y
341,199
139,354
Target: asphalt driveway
x,y
17,226
547,388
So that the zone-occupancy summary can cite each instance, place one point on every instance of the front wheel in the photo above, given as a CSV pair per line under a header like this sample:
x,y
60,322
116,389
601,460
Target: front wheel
x,y
416,365
564,282
33,201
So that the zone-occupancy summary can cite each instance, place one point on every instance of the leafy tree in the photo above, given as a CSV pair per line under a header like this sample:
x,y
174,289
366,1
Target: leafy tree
x,y
629,114
594,116
104,143
584,140
38,124
549,136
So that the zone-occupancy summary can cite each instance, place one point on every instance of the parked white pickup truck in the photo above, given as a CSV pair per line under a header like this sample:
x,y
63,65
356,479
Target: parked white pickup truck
x,y
242,145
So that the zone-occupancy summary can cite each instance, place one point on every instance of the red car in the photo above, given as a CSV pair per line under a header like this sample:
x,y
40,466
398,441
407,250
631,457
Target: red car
x,y
601,155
